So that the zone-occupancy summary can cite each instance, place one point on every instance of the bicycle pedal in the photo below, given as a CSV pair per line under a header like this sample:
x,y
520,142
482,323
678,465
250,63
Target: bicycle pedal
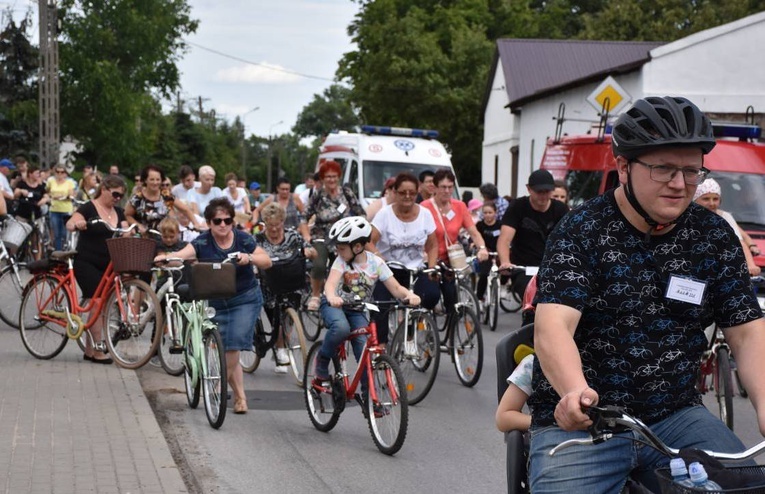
x,y
176,350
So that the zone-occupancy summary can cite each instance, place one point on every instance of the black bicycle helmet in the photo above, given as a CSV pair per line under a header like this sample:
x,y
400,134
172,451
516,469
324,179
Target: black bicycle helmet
x,y
657,122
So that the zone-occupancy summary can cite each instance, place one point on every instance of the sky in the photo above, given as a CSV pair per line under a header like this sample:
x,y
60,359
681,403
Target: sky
x,y
284,38
281,39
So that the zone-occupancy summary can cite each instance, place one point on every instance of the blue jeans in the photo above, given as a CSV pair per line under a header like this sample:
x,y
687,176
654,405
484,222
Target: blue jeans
x,y
604,468
340,323
58,227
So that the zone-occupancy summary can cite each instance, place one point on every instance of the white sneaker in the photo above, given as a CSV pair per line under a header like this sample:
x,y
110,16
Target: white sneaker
x,y
282,357
280,369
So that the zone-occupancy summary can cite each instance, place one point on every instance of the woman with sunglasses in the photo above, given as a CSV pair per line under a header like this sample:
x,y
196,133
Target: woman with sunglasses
x,y
92,255
152,203
405,232
61,191
236,316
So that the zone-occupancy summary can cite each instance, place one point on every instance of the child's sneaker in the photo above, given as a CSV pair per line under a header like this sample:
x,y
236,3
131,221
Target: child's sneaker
x,y
282,357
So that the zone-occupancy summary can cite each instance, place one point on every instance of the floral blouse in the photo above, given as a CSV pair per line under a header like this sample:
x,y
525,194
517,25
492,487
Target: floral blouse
x,y
328,210
150,213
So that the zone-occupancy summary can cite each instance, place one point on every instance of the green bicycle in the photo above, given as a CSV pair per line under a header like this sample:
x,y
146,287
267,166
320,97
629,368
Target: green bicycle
x,y
204,359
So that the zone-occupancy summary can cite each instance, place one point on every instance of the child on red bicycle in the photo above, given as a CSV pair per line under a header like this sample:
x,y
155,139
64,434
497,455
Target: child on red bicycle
x,y
353,275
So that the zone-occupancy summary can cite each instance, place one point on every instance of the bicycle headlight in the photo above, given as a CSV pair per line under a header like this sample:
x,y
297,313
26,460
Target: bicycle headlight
x,y
209,312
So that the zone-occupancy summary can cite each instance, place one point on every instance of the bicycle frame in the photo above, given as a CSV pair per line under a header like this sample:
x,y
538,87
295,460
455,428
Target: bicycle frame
x,y
709,359
198,323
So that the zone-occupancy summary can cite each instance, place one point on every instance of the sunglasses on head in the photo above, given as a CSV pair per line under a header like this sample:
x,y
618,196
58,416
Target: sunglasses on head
x,y
218,221
117,195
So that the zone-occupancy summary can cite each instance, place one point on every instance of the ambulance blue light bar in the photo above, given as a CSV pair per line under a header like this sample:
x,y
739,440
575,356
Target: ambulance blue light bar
x,y
740,131
399,131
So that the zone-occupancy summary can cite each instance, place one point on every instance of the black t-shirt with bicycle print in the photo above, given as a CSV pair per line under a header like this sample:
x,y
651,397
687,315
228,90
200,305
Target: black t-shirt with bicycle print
x,y
644,304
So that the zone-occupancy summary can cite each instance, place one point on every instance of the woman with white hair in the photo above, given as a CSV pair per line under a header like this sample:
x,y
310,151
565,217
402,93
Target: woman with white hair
x,y
708,194
201,196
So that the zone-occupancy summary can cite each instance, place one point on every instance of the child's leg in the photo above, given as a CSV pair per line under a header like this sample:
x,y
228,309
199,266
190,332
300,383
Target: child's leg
x,y
359,320
338,330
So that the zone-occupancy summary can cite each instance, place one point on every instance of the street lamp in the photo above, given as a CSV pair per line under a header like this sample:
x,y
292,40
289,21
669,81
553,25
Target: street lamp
x,y
244,148
270,156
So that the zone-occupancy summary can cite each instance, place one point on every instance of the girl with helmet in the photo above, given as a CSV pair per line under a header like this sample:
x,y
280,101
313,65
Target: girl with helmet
x,y
353,274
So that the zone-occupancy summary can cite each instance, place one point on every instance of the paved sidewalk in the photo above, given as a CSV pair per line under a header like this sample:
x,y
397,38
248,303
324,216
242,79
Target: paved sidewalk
x,y
69,426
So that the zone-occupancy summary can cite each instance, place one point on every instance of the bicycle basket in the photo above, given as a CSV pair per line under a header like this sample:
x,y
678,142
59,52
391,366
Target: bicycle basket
x,y
14,233
285,276
131,254
754,476
211,280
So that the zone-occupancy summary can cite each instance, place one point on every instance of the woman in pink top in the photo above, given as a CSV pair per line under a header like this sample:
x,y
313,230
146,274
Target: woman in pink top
x,y
451,215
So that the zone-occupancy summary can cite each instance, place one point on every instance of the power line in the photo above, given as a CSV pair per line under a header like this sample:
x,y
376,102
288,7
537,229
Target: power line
x,y
278,69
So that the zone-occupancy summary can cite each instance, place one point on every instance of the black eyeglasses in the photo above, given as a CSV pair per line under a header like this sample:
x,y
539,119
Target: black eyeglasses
x,y
218,221
117,195
666,173
60,171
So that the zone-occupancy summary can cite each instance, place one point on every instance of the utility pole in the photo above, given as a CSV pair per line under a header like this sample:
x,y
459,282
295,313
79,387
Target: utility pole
x,y
48,85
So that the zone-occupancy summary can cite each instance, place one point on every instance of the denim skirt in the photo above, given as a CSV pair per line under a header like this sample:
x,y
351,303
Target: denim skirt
x,y
236,318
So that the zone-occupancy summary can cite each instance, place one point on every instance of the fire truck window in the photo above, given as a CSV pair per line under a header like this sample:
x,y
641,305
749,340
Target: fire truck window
x,y
582,185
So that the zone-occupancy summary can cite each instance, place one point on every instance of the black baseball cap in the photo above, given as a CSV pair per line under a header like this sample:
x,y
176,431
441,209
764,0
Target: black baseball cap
x,y
540,180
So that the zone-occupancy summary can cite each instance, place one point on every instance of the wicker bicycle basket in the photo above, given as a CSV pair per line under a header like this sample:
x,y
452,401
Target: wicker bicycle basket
x,y
753,476
131,254
14,233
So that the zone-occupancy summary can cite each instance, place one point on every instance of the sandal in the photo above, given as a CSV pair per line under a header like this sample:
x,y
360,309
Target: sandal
x,y
313,303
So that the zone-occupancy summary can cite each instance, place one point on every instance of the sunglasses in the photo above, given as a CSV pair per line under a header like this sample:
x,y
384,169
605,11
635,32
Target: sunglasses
x,y
218,221
60,171
117,195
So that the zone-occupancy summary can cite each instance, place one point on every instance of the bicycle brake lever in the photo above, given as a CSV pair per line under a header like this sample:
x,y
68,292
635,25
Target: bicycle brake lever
x,y
582,441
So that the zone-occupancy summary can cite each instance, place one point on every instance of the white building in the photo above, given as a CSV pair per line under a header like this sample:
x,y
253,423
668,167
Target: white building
x,y
722,70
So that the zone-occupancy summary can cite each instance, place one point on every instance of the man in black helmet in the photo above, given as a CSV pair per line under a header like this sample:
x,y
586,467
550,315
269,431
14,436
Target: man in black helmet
x,y
628,283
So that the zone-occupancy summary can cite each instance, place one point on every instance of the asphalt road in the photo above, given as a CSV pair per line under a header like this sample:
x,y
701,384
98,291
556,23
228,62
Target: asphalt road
x,y
452,444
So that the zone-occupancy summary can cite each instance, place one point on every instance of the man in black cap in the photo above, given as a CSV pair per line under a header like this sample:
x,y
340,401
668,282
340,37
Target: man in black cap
x,y
526,225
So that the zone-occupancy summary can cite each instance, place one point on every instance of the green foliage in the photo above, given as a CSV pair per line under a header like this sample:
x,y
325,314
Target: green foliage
x,y
114,56
19,127
332,110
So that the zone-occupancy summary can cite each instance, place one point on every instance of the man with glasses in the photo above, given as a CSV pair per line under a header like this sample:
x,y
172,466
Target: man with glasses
x,y
526,224
628,283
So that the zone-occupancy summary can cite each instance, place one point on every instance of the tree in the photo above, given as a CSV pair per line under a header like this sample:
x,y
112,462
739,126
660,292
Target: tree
x,y
115,56
332,110
19,128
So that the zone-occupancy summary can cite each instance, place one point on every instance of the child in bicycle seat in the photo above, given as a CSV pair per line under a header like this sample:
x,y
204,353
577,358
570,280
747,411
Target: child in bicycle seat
x,y
171,236
509,416
354,273
489,229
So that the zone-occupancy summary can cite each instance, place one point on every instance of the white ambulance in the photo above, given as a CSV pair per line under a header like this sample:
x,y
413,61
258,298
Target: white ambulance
x,y
370,157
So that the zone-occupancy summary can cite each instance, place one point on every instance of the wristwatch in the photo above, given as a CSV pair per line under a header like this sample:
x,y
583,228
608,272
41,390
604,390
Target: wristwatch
x,y
482,247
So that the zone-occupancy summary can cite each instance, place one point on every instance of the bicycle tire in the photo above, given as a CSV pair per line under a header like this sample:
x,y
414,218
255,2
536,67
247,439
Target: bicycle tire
x,y
321,406
510,301
467,346
43,339
191,370
312,324
420,367
172,363
492,307
388,414
292,331
12,283
214,380
468,297
132,337
249,359
724,386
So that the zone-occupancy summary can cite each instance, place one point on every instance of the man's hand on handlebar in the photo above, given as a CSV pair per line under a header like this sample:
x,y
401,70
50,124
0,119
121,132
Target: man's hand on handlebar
x,y
570,413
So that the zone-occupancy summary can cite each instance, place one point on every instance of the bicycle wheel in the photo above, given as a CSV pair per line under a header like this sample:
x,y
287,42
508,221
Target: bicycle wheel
x,y
321,404
312,324
492,305
292,330
13,279
387,406
508,299
249,359
214,381
417,354
191,370
724,386
468,297
467,347
171,362
44,339
133,322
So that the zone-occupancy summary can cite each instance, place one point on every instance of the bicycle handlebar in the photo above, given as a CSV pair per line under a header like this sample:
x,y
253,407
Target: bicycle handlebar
x,y
610,420
415,271
112,229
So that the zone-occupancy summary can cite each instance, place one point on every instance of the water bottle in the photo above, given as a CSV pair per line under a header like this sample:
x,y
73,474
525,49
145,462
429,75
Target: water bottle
x,y
679,472
700,479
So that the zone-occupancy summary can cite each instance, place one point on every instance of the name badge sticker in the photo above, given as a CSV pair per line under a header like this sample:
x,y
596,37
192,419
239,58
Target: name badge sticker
x,y
341,208
450,215
686,290
495,233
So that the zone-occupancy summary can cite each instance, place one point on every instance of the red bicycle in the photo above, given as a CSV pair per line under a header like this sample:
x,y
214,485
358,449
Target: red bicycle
x,y
385,407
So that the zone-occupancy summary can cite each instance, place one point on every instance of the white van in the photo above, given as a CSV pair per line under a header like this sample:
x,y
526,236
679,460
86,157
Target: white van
x,y
370,157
